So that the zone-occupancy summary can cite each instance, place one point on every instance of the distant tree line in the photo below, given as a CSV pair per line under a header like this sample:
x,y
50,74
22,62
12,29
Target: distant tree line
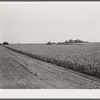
x,y
49,43
4,43
67,42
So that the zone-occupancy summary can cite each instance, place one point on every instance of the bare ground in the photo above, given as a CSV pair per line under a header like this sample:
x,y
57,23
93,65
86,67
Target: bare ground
x,y
21,72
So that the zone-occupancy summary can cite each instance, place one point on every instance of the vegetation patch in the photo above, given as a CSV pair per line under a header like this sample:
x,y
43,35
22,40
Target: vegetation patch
x,y
89,68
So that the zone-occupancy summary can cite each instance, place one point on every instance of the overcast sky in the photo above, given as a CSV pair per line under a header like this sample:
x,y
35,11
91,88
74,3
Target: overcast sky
x,y
40,22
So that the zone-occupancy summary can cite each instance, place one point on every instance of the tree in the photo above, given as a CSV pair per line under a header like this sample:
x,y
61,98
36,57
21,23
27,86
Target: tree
x,y
70,41
65,42
59,43
49,43
5,43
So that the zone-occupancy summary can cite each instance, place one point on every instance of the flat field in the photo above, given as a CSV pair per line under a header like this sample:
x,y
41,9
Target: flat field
x,y
84,57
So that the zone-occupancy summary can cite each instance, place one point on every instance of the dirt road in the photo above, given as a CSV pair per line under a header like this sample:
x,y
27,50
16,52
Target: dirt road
x,y
21,72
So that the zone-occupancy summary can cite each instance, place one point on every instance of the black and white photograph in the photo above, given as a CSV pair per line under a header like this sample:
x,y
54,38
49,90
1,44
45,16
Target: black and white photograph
x,y
49,45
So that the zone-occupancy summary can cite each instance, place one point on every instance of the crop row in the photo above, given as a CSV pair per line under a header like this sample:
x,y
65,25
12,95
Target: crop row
x,y
88,69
